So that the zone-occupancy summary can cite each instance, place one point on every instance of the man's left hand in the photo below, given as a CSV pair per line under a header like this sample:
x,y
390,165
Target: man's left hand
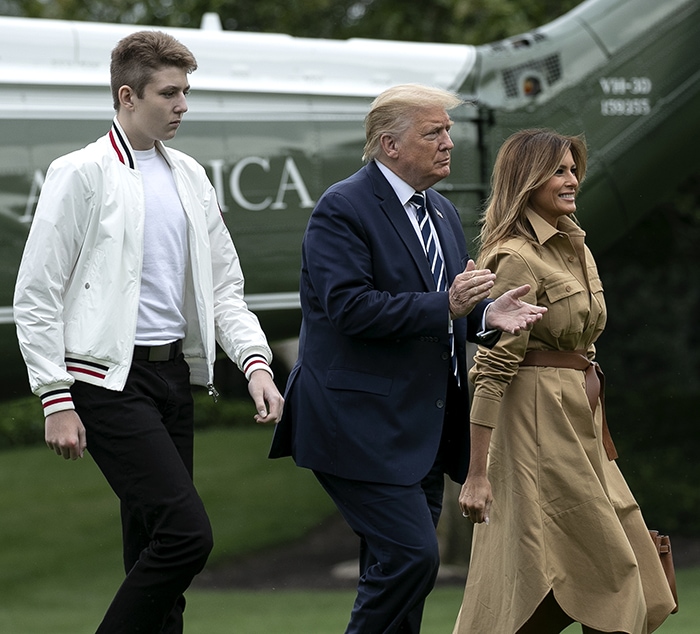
x,y
268,401
509,314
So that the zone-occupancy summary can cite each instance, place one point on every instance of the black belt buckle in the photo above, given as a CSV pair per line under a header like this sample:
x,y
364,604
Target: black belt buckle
x,y
160,353
166,352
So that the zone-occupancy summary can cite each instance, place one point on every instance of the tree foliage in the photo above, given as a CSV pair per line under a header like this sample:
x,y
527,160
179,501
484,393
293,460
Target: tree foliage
x,y
650,351
451,21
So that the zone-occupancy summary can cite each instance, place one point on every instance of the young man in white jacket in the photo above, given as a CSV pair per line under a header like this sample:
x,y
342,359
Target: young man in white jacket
x,y
128,279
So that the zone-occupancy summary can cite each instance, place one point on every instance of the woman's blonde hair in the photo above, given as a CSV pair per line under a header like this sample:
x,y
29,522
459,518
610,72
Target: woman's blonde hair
x,y
526,161
392,112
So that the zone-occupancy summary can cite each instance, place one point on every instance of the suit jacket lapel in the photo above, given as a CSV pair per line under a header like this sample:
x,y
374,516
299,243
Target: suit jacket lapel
x,y
393,209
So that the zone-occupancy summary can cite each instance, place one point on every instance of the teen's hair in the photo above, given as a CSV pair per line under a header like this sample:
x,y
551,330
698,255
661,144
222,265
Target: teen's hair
x,y
393,110
526,161
137,56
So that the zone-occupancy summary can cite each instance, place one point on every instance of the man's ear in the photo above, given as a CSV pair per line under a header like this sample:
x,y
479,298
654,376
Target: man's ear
x,y
126,97
389,145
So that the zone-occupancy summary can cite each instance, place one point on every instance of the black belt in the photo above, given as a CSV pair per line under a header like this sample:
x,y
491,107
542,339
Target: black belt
x,y
166,352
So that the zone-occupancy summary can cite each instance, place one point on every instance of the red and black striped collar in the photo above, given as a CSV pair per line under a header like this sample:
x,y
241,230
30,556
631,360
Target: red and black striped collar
x,y
121,146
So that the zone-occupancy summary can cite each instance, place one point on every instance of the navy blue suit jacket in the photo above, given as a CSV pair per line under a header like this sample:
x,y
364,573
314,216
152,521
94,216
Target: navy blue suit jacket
x,y
367,398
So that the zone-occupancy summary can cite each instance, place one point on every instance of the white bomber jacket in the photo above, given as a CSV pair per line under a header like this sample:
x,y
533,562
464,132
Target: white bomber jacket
x,y
77,292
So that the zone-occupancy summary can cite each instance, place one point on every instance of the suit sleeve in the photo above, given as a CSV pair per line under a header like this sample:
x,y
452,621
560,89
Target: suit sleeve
x,y
351,274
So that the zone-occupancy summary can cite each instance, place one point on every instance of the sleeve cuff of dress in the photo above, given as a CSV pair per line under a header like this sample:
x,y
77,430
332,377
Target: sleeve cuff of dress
x,y
256,362
484,411
56,400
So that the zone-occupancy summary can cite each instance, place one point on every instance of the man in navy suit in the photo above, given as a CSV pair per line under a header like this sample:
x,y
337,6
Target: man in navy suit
x,y
373,405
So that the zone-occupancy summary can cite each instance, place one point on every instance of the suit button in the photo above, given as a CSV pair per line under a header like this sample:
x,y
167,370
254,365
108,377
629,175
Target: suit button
x,y
445,356
440,403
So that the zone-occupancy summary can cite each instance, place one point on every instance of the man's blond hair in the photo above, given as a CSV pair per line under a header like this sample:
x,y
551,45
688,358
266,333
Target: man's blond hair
x,y
393,111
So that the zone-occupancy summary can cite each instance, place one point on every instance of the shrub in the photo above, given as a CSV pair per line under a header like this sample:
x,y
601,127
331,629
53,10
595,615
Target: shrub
x,y
22,422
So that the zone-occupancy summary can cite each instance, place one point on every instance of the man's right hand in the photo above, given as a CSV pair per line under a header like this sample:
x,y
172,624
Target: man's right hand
x,y
468,288
65,434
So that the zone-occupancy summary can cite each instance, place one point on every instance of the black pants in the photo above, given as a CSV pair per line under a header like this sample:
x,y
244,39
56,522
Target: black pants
x,y
142,440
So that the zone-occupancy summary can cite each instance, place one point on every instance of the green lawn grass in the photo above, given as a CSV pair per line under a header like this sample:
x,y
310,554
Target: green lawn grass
x,y
60,545
327,612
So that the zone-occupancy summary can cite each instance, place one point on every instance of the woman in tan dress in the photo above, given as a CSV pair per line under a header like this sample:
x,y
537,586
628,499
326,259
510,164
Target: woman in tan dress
x,y
559,537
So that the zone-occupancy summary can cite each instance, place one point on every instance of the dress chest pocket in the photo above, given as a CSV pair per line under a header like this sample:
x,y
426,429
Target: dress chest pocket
x,y
559,286
567,301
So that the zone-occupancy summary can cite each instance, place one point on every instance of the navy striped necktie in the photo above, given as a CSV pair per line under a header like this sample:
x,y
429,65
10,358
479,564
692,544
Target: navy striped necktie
x,y
437,266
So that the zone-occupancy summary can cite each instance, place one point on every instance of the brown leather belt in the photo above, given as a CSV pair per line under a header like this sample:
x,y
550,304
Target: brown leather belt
x,y
595,381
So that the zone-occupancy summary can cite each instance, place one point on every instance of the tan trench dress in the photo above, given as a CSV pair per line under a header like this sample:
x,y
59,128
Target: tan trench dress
x,y
563,518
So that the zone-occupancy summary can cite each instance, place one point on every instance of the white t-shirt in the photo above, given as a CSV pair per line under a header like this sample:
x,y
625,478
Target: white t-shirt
x,y
165,255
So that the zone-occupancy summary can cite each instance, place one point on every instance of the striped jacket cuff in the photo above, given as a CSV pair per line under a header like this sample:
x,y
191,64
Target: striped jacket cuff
x,y
255,362
56,401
